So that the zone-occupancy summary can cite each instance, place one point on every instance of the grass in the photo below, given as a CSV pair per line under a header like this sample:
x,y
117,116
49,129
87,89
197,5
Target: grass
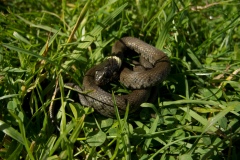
x,y
45,44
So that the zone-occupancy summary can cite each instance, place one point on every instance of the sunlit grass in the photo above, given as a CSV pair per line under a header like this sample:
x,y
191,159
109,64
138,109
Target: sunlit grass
x,y
45,44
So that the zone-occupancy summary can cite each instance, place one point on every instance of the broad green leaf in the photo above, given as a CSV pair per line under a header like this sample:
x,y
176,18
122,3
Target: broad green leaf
x,y
96,138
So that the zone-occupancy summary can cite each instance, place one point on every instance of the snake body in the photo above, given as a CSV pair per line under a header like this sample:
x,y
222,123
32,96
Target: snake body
x,y
139,81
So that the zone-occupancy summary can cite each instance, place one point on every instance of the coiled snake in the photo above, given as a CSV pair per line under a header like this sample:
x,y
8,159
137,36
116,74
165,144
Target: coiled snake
x,y
139,81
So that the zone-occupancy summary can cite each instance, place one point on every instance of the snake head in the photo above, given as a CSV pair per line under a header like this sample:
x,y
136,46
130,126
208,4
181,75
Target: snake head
x,y
107,71
104,76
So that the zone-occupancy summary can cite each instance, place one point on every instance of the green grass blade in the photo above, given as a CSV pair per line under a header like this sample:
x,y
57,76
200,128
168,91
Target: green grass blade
x,y
98,29
47,28
8,130
220,115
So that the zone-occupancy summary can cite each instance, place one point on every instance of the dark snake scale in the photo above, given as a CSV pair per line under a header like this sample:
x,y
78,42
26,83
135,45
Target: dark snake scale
x,y
139,81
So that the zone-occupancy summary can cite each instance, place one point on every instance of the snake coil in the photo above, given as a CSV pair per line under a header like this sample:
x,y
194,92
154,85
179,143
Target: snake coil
x,y
139,81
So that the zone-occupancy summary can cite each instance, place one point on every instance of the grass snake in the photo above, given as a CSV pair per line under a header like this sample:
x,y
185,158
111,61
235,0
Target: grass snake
x,y
140,81
154,68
